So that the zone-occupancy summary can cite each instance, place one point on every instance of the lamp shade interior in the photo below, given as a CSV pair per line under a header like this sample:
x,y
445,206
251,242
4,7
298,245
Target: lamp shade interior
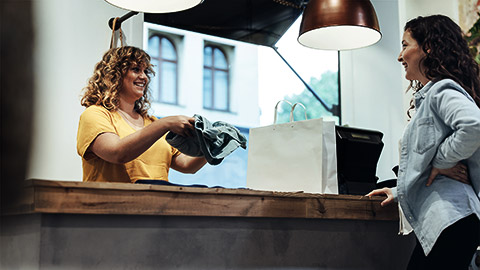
x,y
339,25
341,37
155,6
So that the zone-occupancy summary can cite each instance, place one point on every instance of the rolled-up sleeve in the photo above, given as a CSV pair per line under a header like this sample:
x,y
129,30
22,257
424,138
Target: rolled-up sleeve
x,y
463,116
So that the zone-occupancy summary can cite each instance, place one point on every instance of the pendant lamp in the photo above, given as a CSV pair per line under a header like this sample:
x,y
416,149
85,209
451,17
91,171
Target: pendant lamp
x,y
155,6
339,25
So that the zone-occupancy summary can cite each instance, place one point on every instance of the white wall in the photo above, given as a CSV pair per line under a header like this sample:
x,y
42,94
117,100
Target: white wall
x,y
70,37
410,9
373,83
371,87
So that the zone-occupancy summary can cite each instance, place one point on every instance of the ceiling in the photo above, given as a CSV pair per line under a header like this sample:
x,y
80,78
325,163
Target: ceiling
x,y
261,22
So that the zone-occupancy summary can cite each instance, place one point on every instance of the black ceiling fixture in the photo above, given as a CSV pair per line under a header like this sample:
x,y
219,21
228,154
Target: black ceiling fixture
x,y
261,22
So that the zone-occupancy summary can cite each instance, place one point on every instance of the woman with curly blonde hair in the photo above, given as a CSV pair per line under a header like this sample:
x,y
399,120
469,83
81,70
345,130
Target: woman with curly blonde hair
x,y
117,139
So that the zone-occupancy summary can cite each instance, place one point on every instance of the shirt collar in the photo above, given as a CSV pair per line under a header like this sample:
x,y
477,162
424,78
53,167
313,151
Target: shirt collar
x,y
422,93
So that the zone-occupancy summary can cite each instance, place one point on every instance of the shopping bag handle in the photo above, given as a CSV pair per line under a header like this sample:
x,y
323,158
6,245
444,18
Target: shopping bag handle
x,y
276,109
293,108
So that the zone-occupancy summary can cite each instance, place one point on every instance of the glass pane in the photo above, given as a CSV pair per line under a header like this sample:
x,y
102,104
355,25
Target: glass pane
x,y
221,90
169,83
168,50
154,83
220,60
207,56
153,46
207,88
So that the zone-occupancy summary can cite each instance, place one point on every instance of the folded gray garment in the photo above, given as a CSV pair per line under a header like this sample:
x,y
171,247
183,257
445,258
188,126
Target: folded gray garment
x,y
214,141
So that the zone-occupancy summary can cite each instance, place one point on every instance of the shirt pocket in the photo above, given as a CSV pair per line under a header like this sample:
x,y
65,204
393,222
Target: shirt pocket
x,y
425,135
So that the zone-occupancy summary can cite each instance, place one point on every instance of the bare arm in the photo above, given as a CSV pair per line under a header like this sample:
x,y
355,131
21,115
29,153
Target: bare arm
x,y
110,147
188,164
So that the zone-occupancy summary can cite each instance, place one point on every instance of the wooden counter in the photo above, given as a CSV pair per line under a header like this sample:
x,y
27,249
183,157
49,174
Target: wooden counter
x,y
75,225
43,196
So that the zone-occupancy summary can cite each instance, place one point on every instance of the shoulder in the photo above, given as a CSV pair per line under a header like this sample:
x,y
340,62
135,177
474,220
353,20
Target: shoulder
x,y
96,114
447,84
444,84
446,89
95,111
95,119
96,108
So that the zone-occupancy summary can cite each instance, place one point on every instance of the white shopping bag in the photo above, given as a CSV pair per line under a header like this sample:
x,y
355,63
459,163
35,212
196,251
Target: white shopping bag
x,y
292,156
329,153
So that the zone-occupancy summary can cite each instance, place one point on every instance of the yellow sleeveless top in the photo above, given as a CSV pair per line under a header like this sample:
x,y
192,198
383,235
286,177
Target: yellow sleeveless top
x,y
152,164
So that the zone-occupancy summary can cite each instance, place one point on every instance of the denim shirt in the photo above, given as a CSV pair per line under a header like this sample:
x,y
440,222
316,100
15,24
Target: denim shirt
x,y
213,141
444,131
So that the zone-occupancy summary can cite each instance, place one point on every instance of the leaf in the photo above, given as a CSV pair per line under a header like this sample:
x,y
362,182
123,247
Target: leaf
x,y
473,39
326,87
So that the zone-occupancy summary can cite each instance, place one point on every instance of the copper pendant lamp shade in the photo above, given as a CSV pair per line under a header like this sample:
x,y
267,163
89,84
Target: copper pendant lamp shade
x,y
155,6
339,25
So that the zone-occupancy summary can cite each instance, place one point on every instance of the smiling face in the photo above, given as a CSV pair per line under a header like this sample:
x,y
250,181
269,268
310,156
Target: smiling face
x,y
410,57
134,83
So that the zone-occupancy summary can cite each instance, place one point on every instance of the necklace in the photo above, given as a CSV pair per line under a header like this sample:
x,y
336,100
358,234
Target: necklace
x,y
134,125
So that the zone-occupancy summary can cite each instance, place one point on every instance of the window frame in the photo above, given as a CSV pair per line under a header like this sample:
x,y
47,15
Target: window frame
x,y
158,69
212,70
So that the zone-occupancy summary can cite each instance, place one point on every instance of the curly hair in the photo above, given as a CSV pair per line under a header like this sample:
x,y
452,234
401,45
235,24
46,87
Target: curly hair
x,y
104,86
447,55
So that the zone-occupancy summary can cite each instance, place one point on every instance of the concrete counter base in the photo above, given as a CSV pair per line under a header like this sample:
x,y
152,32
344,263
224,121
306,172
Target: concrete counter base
x,y
76,241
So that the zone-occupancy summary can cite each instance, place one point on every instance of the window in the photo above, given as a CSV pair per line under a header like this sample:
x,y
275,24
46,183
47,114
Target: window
x,y
215,79
165,62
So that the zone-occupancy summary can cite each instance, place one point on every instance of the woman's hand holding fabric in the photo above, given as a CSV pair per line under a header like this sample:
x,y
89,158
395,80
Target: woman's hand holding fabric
x,y
458,172
383,191
181,125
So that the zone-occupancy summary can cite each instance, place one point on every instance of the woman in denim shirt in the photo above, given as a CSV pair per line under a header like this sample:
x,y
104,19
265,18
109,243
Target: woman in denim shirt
x,y
438,187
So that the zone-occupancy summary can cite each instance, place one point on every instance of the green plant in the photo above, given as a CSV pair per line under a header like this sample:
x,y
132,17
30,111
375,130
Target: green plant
x,y
473,39
326,86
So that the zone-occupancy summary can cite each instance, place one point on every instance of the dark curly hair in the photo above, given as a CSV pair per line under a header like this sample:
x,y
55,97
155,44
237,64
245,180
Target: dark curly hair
x,y
447,53
104,86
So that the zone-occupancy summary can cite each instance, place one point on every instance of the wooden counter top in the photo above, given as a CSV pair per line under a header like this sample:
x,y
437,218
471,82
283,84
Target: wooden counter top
x,y
42,196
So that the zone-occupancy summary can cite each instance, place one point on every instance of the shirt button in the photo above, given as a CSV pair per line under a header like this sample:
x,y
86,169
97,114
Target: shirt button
x,y
410,217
